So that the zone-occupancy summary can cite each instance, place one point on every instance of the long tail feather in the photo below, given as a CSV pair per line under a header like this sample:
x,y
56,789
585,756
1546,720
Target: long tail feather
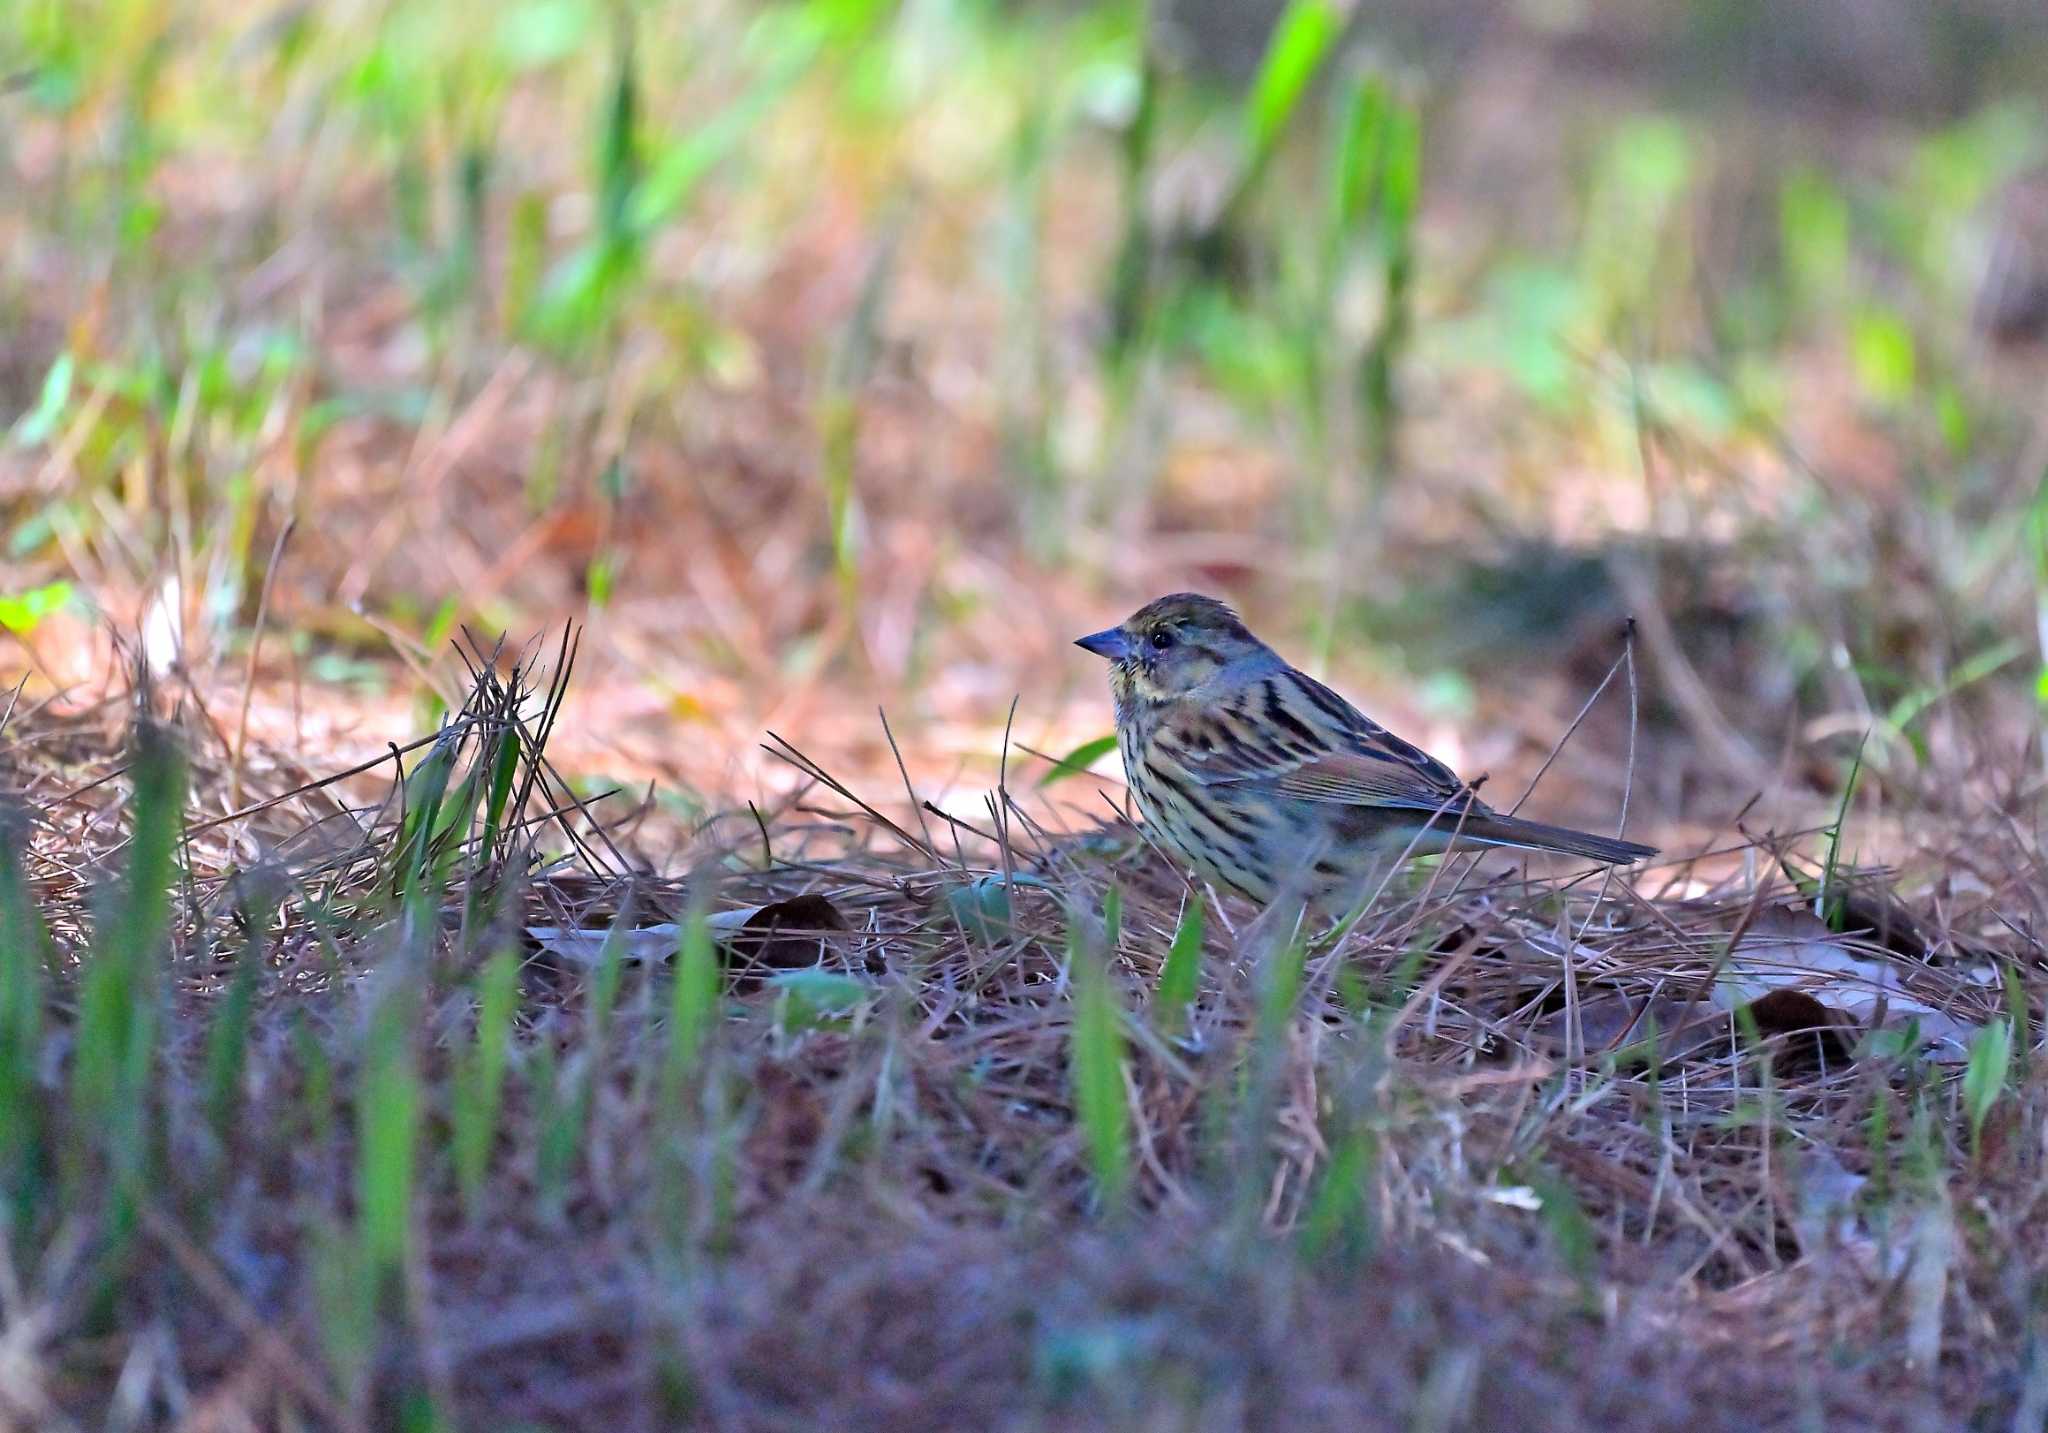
x,y
1535,836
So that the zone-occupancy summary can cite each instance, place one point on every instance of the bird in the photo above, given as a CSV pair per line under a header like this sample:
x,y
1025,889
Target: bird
x,y
1269,783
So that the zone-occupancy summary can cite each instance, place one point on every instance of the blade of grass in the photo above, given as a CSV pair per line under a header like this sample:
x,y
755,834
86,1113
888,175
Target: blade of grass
x,y
480,1078
423,792
693,1007
1130,292
387,1123
1077,761
504,767
1340,1216
553,1090
1400,184
1096,1060
1180,977
227,1042
1301,40
111,1087
1571,1231
1915,704
1984,1078
1831,902
24,945
1278,966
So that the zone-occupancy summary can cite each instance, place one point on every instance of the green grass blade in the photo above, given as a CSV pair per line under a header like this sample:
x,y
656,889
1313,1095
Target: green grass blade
x,y
1831,901
1400,174
387,1123
480,1082
1130,298
1302,39
344,1294
316,1098
1079,759
39,424
453,821
1180,978
1877,1142
680,169
1984,1077
144,911
618,170
1280,988
693,1006
1815,229
1571,1231
1399,192
839,415
23,612
566,1128
1340,1216
1097,1064
1359,157
504,767
227,1041
424,792
1916,703
2017,1012
558,1109
24,944
115,1040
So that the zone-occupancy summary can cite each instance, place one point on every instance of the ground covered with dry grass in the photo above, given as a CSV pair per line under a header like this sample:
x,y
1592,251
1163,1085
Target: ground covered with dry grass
x,y
1635,404
446,1110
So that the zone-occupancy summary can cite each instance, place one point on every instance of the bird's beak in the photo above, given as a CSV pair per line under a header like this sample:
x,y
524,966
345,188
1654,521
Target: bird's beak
x,y
1110,645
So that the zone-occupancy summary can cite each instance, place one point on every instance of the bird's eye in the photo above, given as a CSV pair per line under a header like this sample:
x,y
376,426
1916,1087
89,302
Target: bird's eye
x,y
1162,639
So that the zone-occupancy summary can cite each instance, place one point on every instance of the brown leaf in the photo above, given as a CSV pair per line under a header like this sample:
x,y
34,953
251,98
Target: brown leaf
x,y
1611,1020
782,935
1795,1013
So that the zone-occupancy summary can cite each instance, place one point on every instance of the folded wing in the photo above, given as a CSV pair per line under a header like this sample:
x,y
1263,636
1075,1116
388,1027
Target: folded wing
x,y
1296,737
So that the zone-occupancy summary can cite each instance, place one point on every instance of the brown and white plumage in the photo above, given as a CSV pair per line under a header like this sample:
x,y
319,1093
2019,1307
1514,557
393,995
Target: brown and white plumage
x,y
1268,781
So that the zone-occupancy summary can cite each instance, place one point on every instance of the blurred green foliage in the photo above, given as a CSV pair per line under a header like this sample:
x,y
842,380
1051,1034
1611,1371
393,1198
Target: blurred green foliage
x,y
206,187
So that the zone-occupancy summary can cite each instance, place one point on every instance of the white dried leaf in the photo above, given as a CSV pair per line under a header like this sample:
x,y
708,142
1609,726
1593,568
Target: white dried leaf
x,y
582,946
1794,950
586,947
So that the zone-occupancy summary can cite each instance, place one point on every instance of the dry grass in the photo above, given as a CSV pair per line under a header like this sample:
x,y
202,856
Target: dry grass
x,y
1435,1182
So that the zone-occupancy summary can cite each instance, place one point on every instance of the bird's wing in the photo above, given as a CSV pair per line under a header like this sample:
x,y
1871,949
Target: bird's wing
x,y
1294,735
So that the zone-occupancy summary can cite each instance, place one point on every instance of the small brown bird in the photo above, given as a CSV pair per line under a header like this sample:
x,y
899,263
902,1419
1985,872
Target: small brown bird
x,y
1269,782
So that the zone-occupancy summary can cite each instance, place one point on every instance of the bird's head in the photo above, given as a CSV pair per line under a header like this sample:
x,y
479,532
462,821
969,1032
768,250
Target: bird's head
x,y
1171,646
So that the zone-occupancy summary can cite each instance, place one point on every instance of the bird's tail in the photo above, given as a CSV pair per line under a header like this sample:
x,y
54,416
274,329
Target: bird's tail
x,y
1535,836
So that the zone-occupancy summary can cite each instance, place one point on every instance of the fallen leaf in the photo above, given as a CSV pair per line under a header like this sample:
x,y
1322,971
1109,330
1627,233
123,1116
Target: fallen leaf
x,y
982,905
781,935
1611,1021
1792,973
814,996
577,946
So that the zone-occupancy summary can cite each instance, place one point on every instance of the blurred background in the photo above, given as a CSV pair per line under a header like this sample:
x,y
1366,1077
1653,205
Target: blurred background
x,y
835,354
